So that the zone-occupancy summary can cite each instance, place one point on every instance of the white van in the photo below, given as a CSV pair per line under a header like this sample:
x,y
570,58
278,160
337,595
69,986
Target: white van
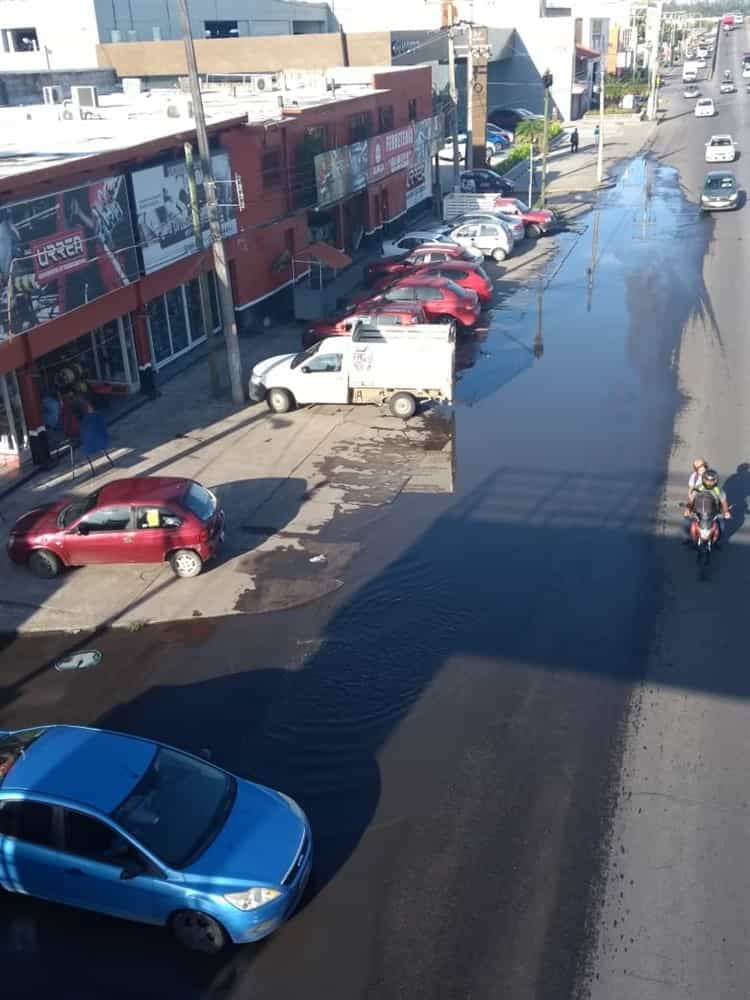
x,y
396,365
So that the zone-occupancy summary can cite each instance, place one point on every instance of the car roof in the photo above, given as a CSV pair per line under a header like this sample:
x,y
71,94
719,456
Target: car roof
x,y
392,307
720,135
142,489
92,767
718,174
417,279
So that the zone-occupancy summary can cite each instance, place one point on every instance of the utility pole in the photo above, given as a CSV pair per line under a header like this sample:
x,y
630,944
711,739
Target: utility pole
x,y
546,83
226,300
206,318
454,105
600,152
653,97
531,171
469,96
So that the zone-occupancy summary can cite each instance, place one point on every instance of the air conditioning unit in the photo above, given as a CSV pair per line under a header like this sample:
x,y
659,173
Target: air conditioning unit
x,y
85,97
264,83
52,95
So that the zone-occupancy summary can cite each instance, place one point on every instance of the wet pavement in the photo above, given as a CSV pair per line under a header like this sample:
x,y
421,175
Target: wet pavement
x,y
452,716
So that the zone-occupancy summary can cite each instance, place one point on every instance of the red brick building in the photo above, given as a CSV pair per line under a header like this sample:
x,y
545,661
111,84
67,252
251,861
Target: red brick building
x,y
96,268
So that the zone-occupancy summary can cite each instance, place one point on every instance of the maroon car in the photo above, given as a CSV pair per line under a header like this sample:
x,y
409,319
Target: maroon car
x,y
141,520
442,300
536,220
428,253
384,314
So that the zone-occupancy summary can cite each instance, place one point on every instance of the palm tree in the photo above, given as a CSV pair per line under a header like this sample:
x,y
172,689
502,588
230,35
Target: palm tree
x,y
532,131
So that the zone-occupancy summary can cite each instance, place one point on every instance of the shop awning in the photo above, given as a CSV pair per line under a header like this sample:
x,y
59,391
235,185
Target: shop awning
x,y
325,254
583,53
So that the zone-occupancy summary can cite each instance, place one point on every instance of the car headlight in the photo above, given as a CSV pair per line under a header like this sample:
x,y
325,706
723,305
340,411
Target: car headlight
x,y
733,196
251,899
255,379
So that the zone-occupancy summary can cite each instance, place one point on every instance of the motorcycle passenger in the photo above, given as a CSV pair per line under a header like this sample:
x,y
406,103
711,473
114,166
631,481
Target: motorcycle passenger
x,y
700,465
709,492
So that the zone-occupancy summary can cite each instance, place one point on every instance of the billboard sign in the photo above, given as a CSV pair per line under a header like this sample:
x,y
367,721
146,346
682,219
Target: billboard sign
x,y
162,205
341,172
63,250
390,152
419,175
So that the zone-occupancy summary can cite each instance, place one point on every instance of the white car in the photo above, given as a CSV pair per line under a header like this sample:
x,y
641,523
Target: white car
x,y
727,88
516,226
704,108
691,93
746,71
491,239
702,64
410,241
446,152
721,149
702,52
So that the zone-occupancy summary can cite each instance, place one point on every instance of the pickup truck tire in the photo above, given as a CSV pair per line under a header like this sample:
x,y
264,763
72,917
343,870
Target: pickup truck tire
x,y
403,405
499,255
279,400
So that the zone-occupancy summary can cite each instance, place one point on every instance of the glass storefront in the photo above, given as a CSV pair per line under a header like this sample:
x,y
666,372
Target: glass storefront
x,y
104,355
13,435
175,321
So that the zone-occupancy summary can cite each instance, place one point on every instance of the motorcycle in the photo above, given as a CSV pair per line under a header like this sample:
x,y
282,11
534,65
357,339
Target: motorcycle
x,y
705,535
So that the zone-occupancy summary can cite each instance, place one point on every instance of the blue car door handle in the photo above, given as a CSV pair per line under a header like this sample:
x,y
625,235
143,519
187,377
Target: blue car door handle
x,y
73,871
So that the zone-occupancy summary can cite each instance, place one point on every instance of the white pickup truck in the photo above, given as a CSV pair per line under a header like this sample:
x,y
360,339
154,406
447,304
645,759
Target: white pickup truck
x,y
395,365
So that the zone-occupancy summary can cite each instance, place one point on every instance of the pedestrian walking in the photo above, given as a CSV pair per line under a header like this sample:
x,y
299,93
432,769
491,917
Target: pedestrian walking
x,y
596,135
574,141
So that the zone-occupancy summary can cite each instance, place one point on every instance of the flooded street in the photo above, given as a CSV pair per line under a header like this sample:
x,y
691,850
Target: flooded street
x,y
451,715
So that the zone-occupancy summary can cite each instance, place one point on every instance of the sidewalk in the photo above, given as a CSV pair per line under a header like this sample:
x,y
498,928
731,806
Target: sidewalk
x,y
287,484
572,177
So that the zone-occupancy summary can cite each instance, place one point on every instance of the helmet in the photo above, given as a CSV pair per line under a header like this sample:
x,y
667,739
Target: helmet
x,y
709,479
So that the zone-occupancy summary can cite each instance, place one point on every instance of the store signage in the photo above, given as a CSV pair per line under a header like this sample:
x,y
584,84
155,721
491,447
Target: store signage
x,y
390,152
62,250
419,175
164,218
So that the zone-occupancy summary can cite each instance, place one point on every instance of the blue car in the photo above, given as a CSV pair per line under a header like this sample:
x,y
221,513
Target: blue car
x,y
135,829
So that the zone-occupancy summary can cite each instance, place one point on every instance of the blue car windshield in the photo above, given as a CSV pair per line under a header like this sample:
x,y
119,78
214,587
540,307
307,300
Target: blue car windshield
x,y
178,807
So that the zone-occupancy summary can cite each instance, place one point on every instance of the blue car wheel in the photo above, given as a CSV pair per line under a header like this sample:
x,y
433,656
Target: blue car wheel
x,y
198,931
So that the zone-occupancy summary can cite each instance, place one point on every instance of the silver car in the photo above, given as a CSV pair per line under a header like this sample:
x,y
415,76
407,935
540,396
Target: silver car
x,y
516,226
492,239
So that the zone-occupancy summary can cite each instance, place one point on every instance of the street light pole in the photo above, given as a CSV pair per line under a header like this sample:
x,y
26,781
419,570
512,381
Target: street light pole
x,y
226,300
454,106
546,83
600,152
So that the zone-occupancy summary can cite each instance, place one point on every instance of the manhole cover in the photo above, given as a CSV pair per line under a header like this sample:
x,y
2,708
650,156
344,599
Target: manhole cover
x,y
80,661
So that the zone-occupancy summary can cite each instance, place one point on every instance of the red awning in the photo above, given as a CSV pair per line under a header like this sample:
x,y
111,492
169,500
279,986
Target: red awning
x,y
326,254
583,53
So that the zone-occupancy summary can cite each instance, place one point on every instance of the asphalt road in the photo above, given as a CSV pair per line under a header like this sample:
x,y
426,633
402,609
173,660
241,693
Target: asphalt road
x,y
454,718
675,921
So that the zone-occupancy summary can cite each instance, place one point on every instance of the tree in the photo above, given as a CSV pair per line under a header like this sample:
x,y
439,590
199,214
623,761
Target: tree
x,y
530,131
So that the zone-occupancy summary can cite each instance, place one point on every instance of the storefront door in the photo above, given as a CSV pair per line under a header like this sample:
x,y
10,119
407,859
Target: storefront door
x,y
13,437
175,320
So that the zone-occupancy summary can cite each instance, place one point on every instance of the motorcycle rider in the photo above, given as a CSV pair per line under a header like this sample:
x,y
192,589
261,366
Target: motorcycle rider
x,y
709,488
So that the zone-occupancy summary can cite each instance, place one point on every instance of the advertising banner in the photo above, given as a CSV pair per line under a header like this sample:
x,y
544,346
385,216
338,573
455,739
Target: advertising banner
x,y
62,250
419,175
390,152
162,205
341,172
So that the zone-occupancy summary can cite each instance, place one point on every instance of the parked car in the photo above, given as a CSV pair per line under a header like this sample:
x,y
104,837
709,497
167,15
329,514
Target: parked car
x,y
536,220
493,239
492,148
148,519
720,149
484,181
469,276
133,828
387,314
411,240
746,71
442,300
495,133
704,108
428,253
514,223
508,118
720,192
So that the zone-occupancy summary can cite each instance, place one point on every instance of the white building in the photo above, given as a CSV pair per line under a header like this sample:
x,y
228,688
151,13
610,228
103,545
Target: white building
x,y
47,34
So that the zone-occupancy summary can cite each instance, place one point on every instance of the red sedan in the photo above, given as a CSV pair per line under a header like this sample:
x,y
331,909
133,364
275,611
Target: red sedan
x,y
384,314
469,276
442,300
141,520
428,253
535,220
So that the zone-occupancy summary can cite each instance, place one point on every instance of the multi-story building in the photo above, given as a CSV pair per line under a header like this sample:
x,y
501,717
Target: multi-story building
x,y
98,261
43,35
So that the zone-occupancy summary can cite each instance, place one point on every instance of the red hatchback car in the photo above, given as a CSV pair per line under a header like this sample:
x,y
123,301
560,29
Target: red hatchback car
x,y
467,275
441,299
428,253
383,314
536,220
141,520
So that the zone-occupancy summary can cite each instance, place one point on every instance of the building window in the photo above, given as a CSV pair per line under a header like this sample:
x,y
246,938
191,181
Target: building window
x,y
413,109
308,28
20,40
360,127
385,119
221,29
270,169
